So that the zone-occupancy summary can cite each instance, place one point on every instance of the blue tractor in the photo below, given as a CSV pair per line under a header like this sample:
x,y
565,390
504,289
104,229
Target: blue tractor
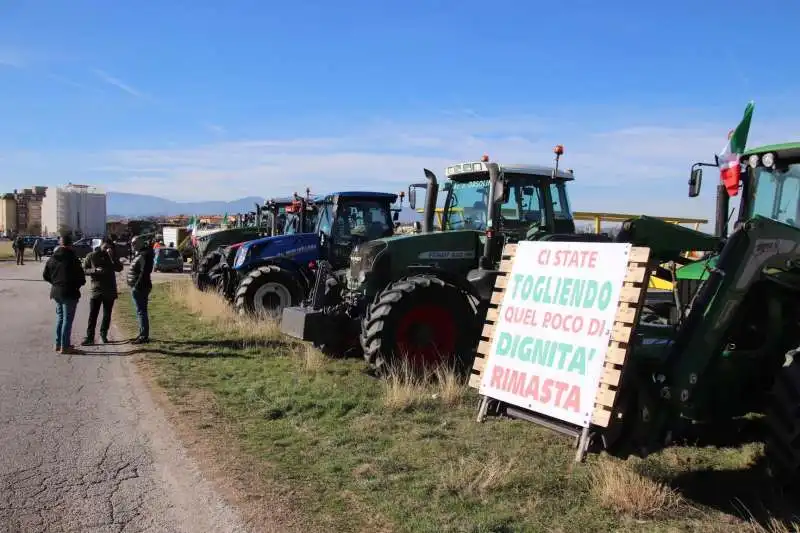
x,y
286,216
277,272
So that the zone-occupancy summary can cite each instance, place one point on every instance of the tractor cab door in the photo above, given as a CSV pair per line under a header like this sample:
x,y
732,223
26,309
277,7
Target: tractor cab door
x,y
350,223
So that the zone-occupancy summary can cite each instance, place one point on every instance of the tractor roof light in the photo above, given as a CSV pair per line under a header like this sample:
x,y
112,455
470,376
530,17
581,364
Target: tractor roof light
x,y
485,158
768,159
558,149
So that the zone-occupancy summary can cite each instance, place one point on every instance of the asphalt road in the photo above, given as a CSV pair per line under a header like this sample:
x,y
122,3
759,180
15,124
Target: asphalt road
x,y
82,446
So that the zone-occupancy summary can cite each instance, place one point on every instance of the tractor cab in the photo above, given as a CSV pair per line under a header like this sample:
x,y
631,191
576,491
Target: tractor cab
x,y
283,215
522,202
349,219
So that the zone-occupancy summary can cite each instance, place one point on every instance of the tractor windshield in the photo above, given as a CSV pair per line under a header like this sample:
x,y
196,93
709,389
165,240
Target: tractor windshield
x,y
777,194
468,201
356,221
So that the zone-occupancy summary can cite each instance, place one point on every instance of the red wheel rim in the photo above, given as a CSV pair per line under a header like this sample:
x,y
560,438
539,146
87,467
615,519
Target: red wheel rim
x,y
426,335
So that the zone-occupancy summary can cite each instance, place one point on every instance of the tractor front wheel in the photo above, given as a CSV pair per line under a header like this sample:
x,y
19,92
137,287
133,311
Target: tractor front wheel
x,y
423,320
266,291
782,446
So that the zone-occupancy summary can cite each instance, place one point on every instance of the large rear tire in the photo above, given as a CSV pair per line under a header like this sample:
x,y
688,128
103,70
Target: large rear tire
x,y
782,446
422,319
201,277
266,290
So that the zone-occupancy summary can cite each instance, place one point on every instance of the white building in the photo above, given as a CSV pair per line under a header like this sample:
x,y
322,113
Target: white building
x,y
76,208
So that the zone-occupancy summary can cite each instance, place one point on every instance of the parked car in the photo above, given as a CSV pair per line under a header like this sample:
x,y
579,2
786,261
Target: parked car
x,y
168,260
83,247
48,245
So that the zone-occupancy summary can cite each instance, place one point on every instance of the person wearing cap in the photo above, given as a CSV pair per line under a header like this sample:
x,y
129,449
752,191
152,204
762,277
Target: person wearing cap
x,y
101,266
65,275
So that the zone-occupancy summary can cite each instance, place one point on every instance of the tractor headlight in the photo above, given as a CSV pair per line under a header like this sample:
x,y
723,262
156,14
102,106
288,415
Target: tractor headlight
x,y
241,253
768,159
753,161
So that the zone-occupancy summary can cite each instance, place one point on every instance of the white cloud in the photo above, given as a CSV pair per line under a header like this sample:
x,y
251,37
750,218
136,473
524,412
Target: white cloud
x,y
119,84
641,169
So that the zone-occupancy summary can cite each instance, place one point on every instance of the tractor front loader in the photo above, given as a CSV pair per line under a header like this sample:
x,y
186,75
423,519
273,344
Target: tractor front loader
x,y
728,349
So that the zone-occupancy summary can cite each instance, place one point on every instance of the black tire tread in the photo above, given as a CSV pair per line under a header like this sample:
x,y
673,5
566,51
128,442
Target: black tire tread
x,y
782,445
201,277
373,323
240,303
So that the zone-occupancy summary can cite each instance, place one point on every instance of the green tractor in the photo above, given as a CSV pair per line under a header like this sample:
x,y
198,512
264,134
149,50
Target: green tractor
x,y
423,296
729,349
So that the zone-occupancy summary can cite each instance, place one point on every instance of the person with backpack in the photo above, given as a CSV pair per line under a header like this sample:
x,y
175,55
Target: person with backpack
x,y
140,283
64,273
101,266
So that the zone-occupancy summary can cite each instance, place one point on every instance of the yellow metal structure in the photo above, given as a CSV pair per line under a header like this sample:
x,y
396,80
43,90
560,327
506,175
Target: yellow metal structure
x,y
597,218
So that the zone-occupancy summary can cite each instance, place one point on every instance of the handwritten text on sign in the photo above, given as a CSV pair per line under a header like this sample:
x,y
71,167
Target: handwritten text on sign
x,y
555,322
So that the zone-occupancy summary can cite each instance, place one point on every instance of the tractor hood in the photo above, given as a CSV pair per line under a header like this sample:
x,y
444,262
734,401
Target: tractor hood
x,y
299,246
382,260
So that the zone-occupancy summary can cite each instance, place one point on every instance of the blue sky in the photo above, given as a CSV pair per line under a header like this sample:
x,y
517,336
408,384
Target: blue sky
x,y
192,100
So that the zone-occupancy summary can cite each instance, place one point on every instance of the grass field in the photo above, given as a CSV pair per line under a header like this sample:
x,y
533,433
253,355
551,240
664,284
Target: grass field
x,y
328,448
6,251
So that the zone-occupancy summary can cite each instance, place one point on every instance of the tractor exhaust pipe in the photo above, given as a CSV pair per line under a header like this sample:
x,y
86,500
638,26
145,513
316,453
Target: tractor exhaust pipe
x,y
723,202
431,193
496,194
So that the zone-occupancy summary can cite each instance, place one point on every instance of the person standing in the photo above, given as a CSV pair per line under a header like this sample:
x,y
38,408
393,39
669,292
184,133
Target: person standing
x,y
37,249
101,266
19,249
140,283
65,275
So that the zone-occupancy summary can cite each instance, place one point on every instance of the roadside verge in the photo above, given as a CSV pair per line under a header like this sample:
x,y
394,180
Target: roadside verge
x,y
300,442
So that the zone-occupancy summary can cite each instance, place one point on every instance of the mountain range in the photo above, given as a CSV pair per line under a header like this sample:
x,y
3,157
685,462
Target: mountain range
x,y
128,205
122,204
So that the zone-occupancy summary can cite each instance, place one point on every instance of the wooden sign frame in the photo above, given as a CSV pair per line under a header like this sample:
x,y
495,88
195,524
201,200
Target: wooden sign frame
x,y
631,300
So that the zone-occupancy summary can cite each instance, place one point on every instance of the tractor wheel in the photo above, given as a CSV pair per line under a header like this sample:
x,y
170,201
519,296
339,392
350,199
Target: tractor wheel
x,y
782,446
201,278
422,319
266,291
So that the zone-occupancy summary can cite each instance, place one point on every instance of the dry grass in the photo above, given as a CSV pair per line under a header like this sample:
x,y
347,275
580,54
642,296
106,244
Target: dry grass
x,y
312,360
404,388
469,477
617,487
213,308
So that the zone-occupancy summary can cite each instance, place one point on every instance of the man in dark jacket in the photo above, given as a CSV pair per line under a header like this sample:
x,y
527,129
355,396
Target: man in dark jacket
x,y
64,274
101,266
141,285
19,249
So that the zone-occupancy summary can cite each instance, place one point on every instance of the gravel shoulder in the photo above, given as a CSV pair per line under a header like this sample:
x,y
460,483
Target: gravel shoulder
x,y
85,448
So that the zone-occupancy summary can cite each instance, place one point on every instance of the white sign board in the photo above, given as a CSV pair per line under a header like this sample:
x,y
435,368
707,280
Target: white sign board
x,y
554,325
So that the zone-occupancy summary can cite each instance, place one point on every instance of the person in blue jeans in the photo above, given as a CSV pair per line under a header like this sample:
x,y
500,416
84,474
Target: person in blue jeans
x,y
64,272
140,283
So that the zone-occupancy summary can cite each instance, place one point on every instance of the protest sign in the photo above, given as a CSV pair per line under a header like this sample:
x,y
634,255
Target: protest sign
x,y
552,329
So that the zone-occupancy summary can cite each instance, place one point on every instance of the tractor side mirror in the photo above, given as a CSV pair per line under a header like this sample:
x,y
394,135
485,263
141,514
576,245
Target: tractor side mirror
x,y
396,216
412,197
417,226
695,180
500,194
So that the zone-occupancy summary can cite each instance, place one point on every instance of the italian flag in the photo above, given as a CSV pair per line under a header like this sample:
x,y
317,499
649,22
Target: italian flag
x,y
729,158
